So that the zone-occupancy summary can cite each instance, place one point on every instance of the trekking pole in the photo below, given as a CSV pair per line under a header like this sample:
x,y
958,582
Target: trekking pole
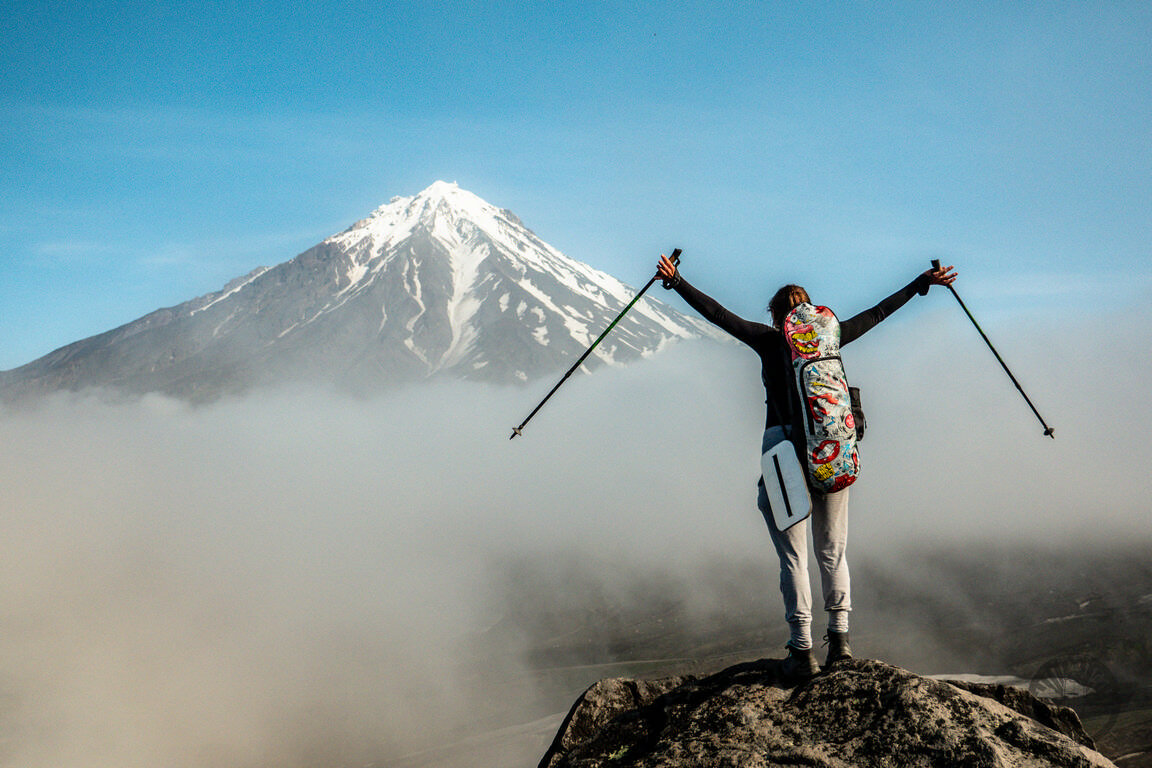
x,y
675,259
1048,431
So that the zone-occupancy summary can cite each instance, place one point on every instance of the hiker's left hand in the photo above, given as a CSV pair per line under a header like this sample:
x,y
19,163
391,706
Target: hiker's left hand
x,y
941,275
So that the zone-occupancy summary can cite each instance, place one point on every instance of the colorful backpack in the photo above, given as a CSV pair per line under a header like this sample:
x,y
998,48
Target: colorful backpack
x,y
813,336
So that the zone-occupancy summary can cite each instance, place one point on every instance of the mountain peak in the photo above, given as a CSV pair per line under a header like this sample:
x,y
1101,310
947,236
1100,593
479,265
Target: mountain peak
x,y
442,207
441,188
432,196
438,283
443,196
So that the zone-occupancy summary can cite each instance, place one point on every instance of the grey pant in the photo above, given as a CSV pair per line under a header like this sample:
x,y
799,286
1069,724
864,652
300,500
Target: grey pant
x,y
829,524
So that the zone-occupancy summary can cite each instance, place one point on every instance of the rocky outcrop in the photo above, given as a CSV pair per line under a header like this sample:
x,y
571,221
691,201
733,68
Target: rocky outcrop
x,y
859,713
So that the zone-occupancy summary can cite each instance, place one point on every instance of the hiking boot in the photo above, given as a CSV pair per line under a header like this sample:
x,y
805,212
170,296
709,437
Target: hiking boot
x,y
838,648
799,666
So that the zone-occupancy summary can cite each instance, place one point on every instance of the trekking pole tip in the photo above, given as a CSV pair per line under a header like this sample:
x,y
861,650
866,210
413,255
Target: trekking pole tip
x,y
1050,432
515,431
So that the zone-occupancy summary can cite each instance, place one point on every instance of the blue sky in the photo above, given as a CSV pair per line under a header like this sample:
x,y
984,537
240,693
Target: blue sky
x,y
153,151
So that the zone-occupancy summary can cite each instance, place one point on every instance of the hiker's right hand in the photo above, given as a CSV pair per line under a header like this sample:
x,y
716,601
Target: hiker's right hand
x,y
665,269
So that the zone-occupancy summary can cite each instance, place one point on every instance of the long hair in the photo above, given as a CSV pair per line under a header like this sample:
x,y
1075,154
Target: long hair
x,y
787,297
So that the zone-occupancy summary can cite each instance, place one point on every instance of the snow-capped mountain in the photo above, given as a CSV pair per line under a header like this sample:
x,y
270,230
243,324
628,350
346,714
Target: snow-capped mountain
x,y
439,284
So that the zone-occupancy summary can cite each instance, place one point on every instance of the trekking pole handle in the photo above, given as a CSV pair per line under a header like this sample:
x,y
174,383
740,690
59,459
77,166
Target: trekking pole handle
x,y
936,265
675,259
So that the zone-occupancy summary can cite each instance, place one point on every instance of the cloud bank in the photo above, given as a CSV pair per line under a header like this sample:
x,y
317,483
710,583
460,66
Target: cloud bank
x,y
296,577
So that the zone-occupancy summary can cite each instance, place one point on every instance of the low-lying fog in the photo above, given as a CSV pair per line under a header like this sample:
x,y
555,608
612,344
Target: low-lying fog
x,y
299,578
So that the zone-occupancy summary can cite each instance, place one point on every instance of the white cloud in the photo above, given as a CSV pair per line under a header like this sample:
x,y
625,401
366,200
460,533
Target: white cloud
x,y
295,576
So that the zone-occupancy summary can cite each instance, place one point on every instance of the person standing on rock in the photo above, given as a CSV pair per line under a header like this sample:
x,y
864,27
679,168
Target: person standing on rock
x,y
829,517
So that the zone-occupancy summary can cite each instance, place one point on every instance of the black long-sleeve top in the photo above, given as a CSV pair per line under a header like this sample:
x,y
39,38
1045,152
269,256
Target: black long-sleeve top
x,y
781,396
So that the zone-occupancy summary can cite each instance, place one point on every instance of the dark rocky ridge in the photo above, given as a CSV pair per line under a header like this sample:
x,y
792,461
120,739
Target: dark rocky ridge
x,y
859,713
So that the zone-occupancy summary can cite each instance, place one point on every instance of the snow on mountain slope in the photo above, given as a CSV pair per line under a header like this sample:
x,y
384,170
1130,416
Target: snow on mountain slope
x,y
438,284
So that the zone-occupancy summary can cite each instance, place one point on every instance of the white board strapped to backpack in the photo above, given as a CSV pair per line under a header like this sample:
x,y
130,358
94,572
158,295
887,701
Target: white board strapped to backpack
x,y
785,484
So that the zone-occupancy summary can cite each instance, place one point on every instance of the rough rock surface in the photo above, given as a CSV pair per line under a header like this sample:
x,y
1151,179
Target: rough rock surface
x,y
859,713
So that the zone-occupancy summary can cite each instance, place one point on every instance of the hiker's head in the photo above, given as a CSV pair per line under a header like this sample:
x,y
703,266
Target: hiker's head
x,y
785,299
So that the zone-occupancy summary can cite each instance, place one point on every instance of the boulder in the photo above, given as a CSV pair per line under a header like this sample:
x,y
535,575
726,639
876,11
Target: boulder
x,y
859,713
